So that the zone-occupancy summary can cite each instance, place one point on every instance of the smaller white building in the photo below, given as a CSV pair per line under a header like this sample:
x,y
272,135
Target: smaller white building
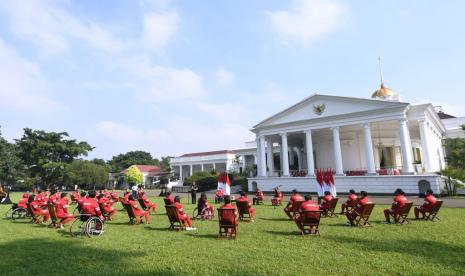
x,y
220,161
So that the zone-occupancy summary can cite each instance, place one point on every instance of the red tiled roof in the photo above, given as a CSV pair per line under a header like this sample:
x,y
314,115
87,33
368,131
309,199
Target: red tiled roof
x,y
207,153
146,169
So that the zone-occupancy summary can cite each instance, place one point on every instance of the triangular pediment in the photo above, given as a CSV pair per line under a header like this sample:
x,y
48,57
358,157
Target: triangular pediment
x,y
321,106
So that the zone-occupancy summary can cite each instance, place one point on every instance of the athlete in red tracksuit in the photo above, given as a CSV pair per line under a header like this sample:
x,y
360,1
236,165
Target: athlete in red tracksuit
x,y
427,207
169,198
351,201
62,210
185,218
294,198
22,203
397,206
138,211
151,205
352,214
54,197
105,202
90,206
326,201
243,198
37,209
307,205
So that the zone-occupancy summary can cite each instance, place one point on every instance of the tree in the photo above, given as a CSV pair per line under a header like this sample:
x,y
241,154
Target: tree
x,y
134,176
46,153
86,174
12,168
455,152
138,157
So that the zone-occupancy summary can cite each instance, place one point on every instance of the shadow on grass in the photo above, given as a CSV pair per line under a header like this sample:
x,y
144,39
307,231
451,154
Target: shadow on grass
x,y
203,236
431,251
43,256
275,219
164,229
283,233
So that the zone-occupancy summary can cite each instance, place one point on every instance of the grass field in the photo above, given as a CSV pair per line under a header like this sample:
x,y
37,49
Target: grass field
x,y
272,246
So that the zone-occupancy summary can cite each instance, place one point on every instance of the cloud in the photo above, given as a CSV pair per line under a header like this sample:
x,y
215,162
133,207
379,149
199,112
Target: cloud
x,y
159,28
224,77
224,112
307,21
22,85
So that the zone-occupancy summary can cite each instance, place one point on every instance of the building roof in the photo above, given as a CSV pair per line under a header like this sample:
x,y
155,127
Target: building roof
x,y
207,153
146,169
443,115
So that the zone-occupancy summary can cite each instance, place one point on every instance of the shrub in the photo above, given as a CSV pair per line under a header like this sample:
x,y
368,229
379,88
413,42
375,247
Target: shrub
x,y
204,180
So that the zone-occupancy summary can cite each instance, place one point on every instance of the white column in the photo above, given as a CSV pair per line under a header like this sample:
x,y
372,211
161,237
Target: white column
x,y
406,148
299,158
285,156
337,151
269,157
309,146
425,146
257,156
214,165
243,162
191,170
262,156
180,173
370,158
281,156
202,168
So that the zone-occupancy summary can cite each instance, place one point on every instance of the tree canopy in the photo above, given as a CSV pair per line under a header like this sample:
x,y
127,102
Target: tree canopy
x,y
134,176
12,167
86,174
125,160
46,153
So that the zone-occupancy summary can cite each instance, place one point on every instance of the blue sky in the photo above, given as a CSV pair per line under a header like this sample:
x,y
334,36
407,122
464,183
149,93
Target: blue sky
x,y
171,77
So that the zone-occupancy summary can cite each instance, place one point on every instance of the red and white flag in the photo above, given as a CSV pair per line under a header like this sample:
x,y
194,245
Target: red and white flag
x,y
224,183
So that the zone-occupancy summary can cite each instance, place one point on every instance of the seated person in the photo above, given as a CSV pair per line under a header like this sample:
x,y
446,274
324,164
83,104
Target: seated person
x,y
307,205
204,208
326,201
427,207
289,207
113,197
105,203
169,198
22,203
219,195
76,196
151,205
90,206
227,205
259,196
243,198
277,198
125,199
54,197
397,206
140,190
185,218
138,211
41,198
62,211
351,201
352,214
37,208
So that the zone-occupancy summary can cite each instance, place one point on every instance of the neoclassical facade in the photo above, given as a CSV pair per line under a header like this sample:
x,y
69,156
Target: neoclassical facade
x,y
380,140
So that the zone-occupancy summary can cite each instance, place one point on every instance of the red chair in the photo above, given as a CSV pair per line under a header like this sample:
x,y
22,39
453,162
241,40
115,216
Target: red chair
x,y
243,210
228,223
310,222
330,210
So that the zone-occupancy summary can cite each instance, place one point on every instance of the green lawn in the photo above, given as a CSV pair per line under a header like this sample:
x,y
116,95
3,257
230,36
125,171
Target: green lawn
x,y
271,245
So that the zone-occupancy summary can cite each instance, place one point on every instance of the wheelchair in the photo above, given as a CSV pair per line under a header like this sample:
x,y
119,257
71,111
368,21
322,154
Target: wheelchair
x,y
86,225
17,213
205,214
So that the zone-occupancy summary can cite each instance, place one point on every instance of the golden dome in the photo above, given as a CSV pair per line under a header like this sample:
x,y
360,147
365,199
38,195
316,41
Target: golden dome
x,y
383,93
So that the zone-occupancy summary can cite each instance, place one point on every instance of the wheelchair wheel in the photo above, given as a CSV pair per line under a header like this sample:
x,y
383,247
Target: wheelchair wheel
x,y
77,228
196,213
94,227
20,213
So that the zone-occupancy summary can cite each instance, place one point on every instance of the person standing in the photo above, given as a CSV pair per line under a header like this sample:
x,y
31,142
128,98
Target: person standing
x,y
194,189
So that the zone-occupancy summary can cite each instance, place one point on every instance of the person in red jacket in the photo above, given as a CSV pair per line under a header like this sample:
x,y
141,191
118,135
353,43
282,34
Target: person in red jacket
x,y
151,205
427,207
351,201
54,197
138,211
277,198
397,206
352,214
259,196
37,208
294,198
62,211
243,198
326,201
185,218
219,196
169,198
307,205
22,203
90,206
227,205
113,197
105,203
204,208
76,196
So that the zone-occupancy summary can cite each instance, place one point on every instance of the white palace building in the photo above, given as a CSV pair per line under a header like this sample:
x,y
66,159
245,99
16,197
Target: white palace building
x,y
377,144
